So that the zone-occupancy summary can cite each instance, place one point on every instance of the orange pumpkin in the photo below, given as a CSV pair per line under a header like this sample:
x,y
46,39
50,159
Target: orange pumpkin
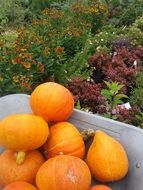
x,y
52,101
66,139
63,172
107,158
11,171
23,132
100,187
20,185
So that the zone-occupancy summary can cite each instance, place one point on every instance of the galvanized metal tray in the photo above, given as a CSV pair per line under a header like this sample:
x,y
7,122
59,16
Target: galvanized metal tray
x,y
129,136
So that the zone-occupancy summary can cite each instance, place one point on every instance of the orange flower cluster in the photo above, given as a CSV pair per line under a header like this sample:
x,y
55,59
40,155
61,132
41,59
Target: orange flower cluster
x,y
72,31
59,50
53,13
78,8
41,67
24,81
94,8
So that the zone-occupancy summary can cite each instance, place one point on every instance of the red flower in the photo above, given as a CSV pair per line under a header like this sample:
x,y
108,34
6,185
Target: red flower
x,y
16,60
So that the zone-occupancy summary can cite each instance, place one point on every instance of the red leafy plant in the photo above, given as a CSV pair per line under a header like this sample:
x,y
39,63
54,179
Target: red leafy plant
x,y
122,66
88,94
88,97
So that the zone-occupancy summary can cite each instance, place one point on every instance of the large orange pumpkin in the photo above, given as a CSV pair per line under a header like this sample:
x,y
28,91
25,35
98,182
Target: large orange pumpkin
x,y
11,171
23,132
52,101
62,173
100,187
107,158
66,139
20,185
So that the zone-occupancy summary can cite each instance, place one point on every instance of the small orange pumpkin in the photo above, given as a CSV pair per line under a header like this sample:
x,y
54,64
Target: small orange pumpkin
x,y
107,158
100,187
20,185
12,170
23,132
66,139
52,101
63,172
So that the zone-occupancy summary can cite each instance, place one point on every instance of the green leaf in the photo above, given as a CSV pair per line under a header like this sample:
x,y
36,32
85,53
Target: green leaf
x,y
119,96
115,87
114,117
78,106
140,116
117,102
107,115
107,94
120,86
108,84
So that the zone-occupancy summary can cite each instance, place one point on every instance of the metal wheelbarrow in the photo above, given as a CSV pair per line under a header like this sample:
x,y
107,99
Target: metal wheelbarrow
x,y
129,136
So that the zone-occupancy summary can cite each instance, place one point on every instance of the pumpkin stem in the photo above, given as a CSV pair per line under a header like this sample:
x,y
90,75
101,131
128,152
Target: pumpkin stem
x,y
87,133
20,157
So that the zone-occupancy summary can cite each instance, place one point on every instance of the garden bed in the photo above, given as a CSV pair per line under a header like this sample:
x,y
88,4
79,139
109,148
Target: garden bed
x,y
93,48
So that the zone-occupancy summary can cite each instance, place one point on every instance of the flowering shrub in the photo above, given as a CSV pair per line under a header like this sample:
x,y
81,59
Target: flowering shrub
x,y
27,63
71,40
47,49
94,14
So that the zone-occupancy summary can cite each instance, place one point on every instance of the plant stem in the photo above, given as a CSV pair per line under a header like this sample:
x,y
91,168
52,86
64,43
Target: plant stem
x,y
20,157
87,133
112,107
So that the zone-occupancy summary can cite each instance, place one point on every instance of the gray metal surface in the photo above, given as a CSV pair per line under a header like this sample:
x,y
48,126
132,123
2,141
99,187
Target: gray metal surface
x,y
129,136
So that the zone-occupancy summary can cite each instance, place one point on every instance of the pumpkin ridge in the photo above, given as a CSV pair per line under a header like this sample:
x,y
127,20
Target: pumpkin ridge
x,y
54,169
79,148
64,106
66,103
62,143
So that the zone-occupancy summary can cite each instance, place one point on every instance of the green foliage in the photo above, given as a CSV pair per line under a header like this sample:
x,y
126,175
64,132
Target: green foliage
x,y
29,62
124,12
78,64
43,51
136,97
40,4
135,32
113,97
139,118
102,41
8,38
14,13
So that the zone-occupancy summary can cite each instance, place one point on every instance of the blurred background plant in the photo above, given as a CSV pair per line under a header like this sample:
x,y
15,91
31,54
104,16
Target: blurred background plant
x,y
14,13
135,32
124,12
136,97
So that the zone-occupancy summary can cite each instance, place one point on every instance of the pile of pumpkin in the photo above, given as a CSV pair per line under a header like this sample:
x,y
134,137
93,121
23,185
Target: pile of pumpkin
x,y
46,152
